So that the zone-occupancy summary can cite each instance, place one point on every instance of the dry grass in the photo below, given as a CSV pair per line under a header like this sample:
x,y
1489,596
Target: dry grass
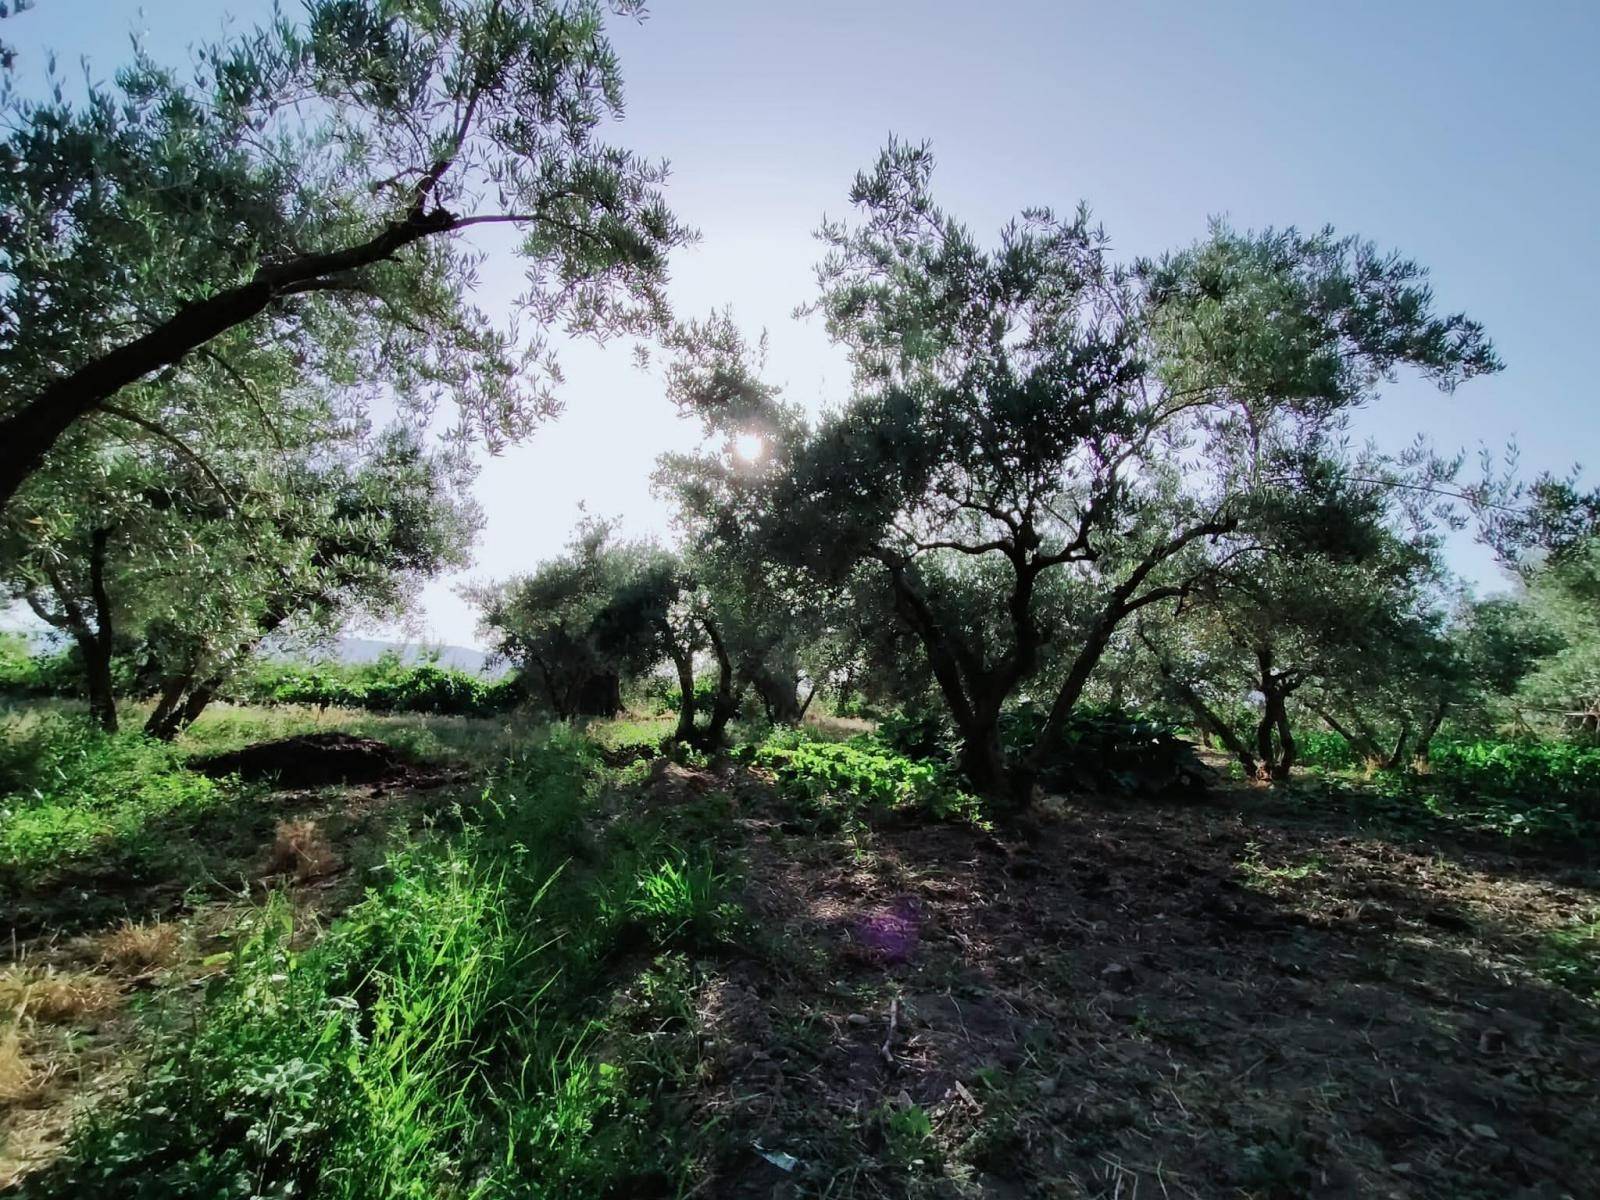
x,y
299,849
138,946
59,996
18,1078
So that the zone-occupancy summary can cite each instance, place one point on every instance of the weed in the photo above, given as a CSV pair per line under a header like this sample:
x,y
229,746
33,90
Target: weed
x,y
680,899
908,1132
1571,957
1257,872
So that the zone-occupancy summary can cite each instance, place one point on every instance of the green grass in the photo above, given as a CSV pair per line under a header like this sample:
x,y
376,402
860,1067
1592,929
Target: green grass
x,y
681,899
1571,957
468,1029
1256,870
73,795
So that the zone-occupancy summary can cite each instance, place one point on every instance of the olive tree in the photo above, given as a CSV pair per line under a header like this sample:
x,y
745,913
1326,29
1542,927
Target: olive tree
x,y
1041,443
308,186
583,622
1335,610
186,565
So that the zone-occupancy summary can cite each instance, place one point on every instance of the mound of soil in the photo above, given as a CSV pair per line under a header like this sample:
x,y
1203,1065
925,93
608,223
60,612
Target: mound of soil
x,y
313,760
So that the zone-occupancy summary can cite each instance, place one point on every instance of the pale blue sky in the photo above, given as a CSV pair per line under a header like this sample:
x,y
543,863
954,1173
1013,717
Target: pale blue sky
x,y
1463,134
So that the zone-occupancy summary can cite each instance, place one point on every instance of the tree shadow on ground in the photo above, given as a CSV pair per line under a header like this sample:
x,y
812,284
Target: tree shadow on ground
x,y
1178,1000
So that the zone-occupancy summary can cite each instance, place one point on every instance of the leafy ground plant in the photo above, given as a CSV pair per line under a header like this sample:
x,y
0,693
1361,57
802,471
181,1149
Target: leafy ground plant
x,y
841,780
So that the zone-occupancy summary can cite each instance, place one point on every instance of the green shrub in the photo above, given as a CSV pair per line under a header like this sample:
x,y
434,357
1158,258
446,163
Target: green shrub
x,y
1108,750
1325,749
1512,788
841,779
1097,750
385,686
26,672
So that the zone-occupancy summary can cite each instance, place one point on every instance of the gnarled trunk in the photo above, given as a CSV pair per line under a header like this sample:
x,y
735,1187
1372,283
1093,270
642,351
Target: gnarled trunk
x,y
93,640
1277,760
683,660
725,704
1430,727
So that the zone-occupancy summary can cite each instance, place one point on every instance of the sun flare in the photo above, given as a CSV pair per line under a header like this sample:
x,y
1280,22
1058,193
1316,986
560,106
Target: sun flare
x,y
749,447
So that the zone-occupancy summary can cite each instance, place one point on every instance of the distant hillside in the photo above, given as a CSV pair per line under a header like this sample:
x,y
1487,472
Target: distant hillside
x,y
365,650
345,649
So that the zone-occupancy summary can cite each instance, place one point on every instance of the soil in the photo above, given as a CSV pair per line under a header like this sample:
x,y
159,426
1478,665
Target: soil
x,y
1132,999
318,759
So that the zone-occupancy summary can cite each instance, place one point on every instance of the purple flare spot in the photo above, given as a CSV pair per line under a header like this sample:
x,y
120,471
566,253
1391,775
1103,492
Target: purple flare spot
x,y
890,933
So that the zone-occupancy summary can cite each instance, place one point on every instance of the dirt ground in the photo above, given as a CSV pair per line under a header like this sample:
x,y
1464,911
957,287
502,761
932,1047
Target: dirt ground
x,y
1121,999
1145,1000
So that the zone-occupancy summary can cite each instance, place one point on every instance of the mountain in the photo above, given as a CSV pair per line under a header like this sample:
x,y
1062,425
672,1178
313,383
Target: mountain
x,y
365,650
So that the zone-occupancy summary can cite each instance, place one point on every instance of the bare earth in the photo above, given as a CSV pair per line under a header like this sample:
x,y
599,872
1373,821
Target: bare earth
x,y
1141,1000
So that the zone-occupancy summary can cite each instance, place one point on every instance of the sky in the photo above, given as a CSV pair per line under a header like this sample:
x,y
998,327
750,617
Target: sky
x,y
1463,134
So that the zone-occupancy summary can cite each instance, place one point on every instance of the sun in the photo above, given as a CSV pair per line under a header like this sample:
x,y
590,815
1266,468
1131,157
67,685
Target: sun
x,y
748,447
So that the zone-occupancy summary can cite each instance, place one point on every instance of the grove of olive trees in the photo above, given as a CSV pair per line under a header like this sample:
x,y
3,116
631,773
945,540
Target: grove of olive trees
x,y
1067,755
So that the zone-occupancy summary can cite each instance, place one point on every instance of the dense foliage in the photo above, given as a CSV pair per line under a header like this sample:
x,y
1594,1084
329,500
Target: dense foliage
x,y
1043,445
299,199
839,780
386,686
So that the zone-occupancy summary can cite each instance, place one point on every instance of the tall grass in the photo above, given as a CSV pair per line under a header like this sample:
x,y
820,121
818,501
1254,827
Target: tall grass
x,y
444,1038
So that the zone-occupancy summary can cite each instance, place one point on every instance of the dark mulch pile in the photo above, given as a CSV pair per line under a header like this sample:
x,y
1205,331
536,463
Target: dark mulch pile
x,y
318,759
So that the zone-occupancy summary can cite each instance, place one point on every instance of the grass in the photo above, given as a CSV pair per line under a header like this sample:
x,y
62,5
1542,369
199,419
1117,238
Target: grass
x,y
73,794
1571,957
447,1035
553,989
50,994
682,899
1257,871
135,946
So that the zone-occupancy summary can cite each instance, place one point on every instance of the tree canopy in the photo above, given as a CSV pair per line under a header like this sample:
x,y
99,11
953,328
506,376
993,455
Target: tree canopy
x,y
302,195
1040,442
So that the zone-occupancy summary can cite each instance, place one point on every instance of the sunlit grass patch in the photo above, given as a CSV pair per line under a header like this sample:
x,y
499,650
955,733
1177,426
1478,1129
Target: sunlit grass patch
x,y
444,1036
1571,957
683,899
1256,869
73,792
